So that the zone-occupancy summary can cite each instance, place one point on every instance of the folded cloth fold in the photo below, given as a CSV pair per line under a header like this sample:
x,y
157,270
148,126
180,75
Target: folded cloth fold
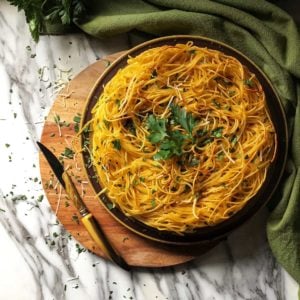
x,y
268,36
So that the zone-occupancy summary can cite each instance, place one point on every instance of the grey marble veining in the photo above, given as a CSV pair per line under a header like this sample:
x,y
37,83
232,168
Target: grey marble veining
x,y
38,259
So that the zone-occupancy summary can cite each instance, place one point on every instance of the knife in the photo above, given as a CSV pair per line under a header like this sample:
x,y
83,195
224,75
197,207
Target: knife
x,y
87,218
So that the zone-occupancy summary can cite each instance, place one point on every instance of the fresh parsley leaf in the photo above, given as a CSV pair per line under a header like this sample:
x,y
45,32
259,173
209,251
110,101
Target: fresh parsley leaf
x,y
40,12
249,83
218,132
183,118
68,153
157,128
171,146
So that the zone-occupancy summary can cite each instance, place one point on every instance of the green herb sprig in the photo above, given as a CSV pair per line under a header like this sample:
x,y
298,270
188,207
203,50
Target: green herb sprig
x,y
40,12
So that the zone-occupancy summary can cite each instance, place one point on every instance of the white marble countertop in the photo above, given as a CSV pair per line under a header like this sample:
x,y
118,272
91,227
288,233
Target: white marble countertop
x,y
35,264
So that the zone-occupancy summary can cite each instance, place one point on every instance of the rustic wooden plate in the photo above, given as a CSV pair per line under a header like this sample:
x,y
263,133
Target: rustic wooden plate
x,y
274,172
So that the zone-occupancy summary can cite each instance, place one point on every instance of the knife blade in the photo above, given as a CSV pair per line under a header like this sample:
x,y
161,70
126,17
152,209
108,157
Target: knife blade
x,y
90,223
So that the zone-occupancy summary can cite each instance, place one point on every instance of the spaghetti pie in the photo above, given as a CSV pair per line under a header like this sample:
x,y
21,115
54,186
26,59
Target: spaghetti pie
x,y
181,137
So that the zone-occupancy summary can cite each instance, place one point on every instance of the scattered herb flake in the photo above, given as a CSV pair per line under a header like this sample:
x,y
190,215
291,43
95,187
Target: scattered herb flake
x,y
40,198
218,132
216,103
75,218
249,83
109,205
117,144
68,153
7,145
153,203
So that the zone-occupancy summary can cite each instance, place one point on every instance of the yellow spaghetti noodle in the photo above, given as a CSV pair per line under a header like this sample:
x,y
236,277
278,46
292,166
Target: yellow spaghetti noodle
x,y
223,150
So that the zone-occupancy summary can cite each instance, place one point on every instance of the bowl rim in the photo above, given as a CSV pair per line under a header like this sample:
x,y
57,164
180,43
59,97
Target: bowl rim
x,y
173,238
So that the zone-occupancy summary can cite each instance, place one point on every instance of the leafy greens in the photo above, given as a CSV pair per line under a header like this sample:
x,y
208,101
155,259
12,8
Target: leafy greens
x,y
39,12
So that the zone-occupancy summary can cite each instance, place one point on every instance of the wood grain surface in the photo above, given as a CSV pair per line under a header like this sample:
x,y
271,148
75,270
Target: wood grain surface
x,y
136,250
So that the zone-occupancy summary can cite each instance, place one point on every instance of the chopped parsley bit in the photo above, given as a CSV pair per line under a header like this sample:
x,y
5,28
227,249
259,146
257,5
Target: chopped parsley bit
x,y
40,198
107,123
216,103
153,203
28,48
15,115
77,120
117,144
67,204
110,205
55,234
220,156
249,83
35,179
118,102
192,51
218,132
79,249
233,139
75,218
7,145
68,153
32,55
1,209
52,134
65,287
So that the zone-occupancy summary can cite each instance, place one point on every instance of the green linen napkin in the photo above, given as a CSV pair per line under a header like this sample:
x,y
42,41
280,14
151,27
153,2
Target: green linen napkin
x,y
269,37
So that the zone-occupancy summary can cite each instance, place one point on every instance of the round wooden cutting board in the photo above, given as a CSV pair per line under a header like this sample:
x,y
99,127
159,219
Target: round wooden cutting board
x,y
59,134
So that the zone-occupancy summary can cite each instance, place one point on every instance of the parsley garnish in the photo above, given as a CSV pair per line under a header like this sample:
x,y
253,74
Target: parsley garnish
x,y
183,118
170,141
157,128
153,203
218,132
59,12
68,153
77,120
249,83
117,144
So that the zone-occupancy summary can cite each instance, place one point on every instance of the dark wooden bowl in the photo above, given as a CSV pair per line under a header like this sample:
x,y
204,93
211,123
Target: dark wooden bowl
x,y
274,173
